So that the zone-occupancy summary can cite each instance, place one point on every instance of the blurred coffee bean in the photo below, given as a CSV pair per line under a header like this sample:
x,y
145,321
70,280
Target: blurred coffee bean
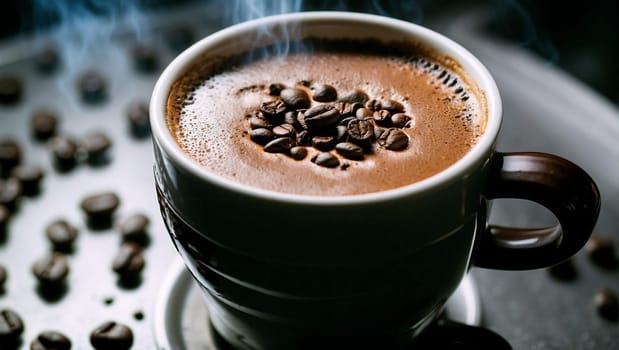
x,y
261,136
295,98
99,209
139,120
134,228
64,152
324,93
129,261
356,96
349,150
284,130
11,328
96,144
51,340
111,336
323,143
602,251
43,125
273,110
319,117
10,156
392,106
10,192
298,152
10,90
279,145
374,105
276,88
61,234
326,160
51,270
258,121
399,120
564,271
145,58
30,177
92,87
606,303
382,117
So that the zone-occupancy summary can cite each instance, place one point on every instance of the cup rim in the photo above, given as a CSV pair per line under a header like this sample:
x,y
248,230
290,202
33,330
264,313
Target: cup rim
x,y
475,69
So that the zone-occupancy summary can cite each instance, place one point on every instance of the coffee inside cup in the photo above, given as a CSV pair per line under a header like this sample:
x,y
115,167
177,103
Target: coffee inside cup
x,y
327,117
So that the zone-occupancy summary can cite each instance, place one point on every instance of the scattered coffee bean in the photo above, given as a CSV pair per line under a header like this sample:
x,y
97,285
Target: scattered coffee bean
x,y
96,144
319,117
279,145
30,177
145,58
323,143
92,87
360,130
374,105
261,136
139,119
179,38
134,228
10,156
356,96
3,276
257,120
111,336
10,192
129,260
606,303
392,106
275,89
326,159
399,120
364,113
61,234
284,130
51,340
47,59
564,271
10,90
602,251
99,209
295,98
324,93
64,151
298,152
11,328
51,270
43,125
393,139
382,117
272,110
349,150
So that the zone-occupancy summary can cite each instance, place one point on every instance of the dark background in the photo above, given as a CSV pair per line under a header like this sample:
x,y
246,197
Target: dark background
x,y
581,37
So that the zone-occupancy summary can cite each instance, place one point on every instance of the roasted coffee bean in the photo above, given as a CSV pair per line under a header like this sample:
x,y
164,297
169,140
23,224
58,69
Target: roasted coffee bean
x,y
382,117
275,89
92,87
392,106
323,143
374,105
261,136
61,234
145,58
179,38
356,96
298,152
279,145
96,144
10,192
51,270
134,228
295,98
304,138
360,130
284,130
341,133
349,150
345,121
64,151
11,328
51,340
30,177
273,109
99,209
564,271
324,93
47,59
3,276
43,125
139,119
111,336
326,160
129,261
393,139
257,120
290,117
399,120
10,156
606,303
10,90
363,113
602,251
319,117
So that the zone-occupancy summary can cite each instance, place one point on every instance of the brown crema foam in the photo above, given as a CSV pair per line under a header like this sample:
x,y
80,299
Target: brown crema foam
x,y
208,107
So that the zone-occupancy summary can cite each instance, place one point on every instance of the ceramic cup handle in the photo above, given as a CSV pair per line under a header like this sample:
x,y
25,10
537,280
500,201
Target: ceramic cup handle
x,y
557,184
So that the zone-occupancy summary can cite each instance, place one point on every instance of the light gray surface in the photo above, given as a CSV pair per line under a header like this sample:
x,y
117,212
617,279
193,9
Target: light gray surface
x,y
545,110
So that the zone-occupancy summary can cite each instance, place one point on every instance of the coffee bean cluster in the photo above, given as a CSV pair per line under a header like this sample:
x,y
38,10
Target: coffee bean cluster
x,y
314,115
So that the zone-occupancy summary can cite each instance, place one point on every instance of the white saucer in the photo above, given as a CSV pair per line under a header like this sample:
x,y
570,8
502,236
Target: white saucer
x,y
181,317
